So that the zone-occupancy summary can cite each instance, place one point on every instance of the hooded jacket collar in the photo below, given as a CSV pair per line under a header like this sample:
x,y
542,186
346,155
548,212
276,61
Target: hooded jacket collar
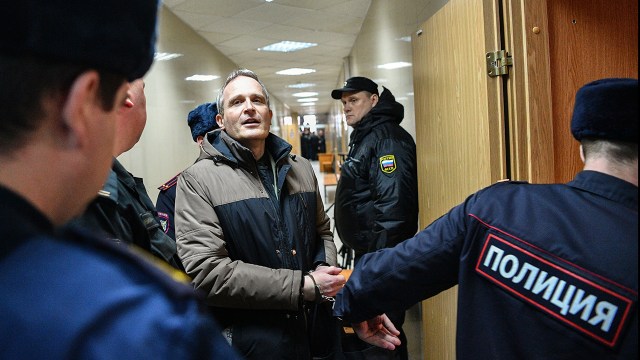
x,y
386,110
219,146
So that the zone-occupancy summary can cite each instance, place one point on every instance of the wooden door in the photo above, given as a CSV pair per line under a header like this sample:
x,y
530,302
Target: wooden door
x,y
459,127
557,47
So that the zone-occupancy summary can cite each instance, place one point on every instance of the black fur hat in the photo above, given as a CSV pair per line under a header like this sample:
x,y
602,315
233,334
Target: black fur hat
x,y
202,119
113,35
607,109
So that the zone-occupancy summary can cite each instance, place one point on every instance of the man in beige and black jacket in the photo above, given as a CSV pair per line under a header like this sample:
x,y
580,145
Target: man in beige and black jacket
x,y
252,231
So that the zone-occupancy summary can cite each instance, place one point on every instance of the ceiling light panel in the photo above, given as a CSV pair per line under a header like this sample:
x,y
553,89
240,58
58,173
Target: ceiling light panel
x,y
287,46
198,77
164,56
295,71
301,85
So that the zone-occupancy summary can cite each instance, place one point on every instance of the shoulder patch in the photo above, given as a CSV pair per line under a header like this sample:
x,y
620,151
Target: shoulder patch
x,y
164,221
585,302
388,164
169,184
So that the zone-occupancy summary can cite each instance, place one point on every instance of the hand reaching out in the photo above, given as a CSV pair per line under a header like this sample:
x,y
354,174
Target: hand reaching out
x,y
378,331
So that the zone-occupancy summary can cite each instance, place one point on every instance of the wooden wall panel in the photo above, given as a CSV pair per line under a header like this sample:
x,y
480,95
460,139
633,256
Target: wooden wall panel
x,y
458,131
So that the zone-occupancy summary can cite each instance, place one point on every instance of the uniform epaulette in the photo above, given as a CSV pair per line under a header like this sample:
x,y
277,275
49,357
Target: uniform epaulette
x,y
169,184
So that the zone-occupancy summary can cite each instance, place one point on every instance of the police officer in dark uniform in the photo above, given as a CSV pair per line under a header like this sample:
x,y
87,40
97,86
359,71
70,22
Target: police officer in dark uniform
x,y
65,293
123,209
377,194
201,120
543,271
376,197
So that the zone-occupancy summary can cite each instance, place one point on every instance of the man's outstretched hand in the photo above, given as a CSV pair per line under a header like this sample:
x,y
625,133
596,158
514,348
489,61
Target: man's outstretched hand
x,y
378,331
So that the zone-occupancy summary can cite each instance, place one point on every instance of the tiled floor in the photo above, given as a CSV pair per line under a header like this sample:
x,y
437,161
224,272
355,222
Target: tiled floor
x,y
413,318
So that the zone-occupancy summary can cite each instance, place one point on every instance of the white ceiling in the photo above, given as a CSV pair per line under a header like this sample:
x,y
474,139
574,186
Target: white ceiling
x,y
237,28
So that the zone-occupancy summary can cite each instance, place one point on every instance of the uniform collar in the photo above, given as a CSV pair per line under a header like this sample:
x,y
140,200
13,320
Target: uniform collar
x,y
610,187
19,220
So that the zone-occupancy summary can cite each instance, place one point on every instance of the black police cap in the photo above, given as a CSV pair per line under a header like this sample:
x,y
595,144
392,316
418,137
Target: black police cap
x,y
357,83
113,35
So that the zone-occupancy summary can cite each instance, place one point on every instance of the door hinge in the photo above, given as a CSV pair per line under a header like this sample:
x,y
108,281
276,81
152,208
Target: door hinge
x,y
498,62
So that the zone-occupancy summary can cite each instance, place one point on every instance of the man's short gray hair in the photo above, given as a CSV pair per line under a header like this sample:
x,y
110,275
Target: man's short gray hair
x,y
235,74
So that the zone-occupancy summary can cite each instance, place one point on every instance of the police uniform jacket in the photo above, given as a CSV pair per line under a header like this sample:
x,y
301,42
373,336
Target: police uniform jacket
x,y
125,212
247,248
544,271
377,194
74,296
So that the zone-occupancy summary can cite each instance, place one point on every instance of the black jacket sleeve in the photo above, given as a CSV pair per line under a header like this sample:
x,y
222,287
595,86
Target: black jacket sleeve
x,y
394,186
